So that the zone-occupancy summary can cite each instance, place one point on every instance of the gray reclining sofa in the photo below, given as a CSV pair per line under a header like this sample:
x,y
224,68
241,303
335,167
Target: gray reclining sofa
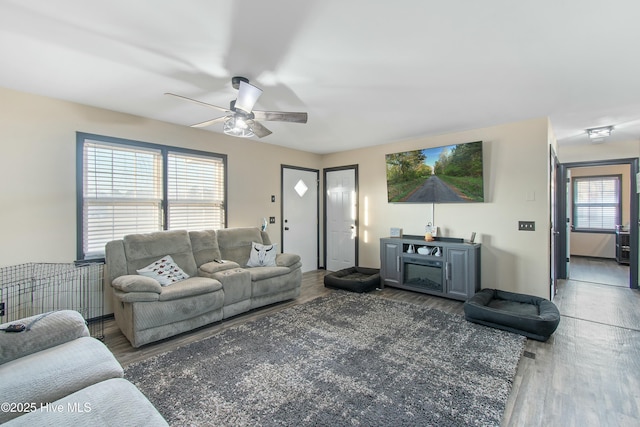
x,y
220,283
53,373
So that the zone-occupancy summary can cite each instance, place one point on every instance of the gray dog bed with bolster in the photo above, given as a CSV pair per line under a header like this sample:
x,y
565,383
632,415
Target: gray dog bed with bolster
x,y
527,315
355,279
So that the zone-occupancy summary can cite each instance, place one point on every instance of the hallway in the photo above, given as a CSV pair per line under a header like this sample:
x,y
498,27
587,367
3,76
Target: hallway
x,y
599,270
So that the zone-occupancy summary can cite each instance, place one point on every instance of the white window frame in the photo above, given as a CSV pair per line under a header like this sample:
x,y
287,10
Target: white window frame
x,y
596,204
193,198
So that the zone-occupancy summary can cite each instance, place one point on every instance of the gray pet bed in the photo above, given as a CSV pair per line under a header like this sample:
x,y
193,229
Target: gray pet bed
x,y
355,279
527,315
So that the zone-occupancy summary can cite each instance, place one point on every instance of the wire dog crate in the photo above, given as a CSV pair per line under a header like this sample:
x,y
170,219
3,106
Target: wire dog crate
x,y
35,288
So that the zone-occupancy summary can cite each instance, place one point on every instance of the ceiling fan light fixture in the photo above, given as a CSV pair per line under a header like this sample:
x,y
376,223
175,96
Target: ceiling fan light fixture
x,y
237,126
247,97
600,132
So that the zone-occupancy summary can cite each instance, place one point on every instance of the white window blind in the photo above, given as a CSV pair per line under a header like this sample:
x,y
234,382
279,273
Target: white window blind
x,y
596,203
122,193
131,187
195,192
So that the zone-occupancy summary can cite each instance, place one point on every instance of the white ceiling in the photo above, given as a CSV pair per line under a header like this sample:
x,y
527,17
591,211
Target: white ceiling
x,y
367,72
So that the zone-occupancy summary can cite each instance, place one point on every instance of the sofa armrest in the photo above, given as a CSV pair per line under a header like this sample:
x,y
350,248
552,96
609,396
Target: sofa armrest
x,y
287,260
211,268
43,331
136,283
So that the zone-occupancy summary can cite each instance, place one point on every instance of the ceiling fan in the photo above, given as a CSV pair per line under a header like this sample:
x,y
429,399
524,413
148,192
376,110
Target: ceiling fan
x,y
241,119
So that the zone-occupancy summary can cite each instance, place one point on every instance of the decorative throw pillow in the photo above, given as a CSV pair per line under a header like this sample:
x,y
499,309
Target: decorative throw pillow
x,y
262,255
165,271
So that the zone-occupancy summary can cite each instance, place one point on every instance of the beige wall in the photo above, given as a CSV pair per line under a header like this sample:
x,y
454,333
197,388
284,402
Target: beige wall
x,y
592,152
38,172
38,190
516,188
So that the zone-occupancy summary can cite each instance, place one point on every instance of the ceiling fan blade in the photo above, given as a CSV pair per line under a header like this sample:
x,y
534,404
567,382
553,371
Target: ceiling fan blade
x,y
226,110
247,97
210,122
258,129
280,116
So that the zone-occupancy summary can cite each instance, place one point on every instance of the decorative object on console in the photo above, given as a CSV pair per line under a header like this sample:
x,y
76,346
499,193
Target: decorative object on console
x,y
395,232
423,250
449,174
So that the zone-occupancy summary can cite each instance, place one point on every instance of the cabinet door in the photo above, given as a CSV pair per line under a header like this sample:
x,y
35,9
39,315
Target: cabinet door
x,y
390,261
458,273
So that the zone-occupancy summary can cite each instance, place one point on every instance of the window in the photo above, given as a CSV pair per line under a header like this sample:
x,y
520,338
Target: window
x,y
596,203
127,187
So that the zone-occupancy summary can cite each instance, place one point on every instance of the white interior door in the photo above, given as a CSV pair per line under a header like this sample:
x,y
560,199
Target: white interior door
x,y
300,215
342,210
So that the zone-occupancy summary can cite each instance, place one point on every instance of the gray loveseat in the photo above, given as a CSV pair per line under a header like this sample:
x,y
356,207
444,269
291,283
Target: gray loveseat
x,y
54,373
220,284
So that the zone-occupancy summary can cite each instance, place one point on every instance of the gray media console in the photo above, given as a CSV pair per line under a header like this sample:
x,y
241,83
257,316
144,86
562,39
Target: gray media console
x,y
449,269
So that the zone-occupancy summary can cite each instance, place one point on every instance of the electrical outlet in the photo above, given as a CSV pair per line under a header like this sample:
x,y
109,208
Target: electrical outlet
x,y
527,225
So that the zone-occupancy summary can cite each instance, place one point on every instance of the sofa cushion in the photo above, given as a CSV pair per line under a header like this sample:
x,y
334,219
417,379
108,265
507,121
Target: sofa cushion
x,y
263,285
189,287
160,314
262,255
56,372
164,270
102,404
143,249
45,331
205,246
236,243
263,273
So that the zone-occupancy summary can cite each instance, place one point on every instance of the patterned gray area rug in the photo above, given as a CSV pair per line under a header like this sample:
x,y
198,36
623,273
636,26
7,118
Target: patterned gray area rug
x,y
343,359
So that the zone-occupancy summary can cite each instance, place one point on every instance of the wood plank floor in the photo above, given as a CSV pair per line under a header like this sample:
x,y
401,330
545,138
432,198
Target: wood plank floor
x,y
599,270
585,375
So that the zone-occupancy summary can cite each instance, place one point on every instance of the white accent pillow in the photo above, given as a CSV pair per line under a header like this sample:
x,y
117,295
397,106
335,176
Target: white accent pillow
x,y
262,255
164,270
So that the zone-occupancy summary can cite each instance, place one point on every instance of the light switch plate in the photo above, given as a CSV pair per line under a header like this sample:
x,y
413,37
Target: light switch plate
x,y
527,225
